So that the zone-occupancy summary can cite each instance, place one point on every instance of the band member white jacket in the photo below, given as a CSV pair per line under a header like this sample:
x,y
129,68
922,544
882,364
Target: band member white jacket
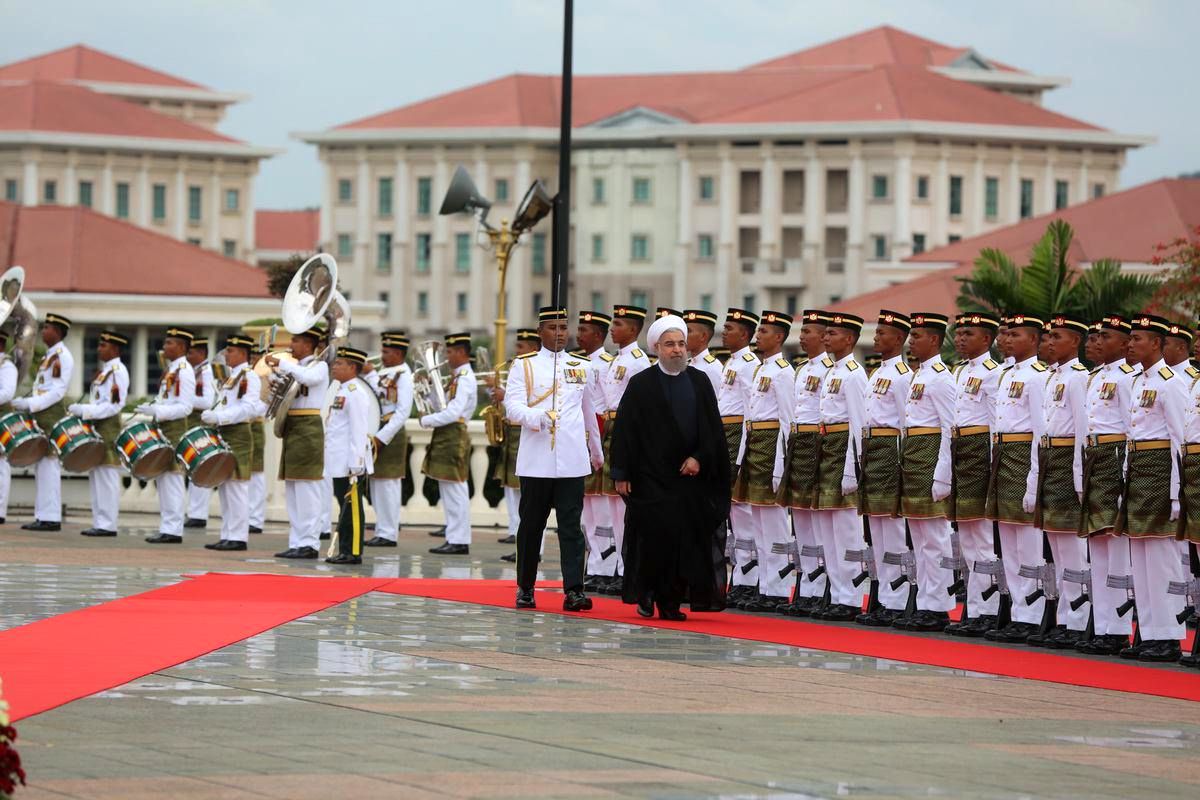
x,y
109,392
53,378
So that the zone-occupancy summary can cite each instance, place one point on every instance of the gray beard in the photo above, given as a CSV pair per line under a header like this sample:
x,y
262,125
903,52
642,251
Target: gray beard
x,y
672,366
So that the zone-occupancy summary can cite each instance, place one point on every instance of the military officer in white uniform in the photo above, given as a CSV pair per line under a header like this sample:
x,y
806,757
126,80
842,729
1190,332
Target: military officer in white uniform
x,y
701,326
170,410
737,385
448,458
348,459
199,497
47,406
393,386
8,390
106,401
596,518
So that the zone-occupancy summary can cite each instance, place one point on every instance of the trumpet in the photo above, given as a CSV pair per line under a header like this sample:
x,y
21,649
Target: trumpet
x,y
493,413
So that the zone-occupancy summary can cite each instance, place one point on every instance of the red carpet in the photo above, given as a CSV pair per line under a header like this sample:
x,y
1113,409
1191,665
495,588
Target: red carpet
x,y
48,663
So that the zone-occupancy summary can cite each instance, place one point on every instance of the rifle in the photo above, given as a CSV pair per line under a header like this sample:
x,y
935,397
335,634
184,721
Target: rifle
x,y
961,569
792,551
866,555
1084,578
1190,589
606,532
1047,586
818,552
1125,582
907,561
995,569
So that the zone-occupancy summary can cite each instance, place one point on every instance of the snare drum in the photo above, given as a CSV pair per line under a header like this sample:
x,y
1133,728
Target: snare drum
x,y
22,441
208,460
78,445
145,451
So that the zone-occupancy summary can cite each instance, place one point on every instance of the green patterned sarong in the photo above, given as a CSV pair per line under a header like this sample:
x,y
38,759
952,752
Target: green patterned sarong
x,y
970,458
449,454
756,474
390,463
1006,489
1146,508
799,486
1103,483
174,430
506,466
918,464
109,429
1189,494
258,453
1058,508
879,484
830,467
303,456
240,440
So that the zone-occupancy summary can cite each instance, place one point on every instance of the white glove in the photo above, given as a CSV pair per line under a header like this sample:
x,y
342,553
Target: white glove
x,y
941,490
208,417
146,408
1174,510
849,485
21,404
1028,501
75,410
421,421
358,472
1080,496
775,483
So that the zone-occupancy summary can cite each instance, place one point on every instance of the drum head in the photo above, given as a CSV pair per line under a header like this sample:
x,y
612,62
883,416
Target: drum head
x,y
214,471
29,451
153,463
85,457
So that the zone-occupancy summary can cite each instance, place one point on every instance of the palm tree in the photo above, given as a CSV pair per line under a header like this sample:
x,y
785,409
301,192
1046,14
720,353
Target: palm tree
x,y
1050,285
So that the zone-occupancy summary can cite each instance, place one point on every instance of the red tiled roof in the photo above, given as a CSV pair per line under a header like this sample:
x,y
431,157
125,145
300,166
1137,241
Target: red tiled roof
x,y
62,107
74,249
1124,225
874,47
291,231
83,63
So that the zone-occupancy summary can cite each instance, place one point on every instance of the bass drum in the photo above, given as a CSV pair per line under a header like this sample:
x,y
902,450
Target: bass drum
x,y
79,447
208,460
145,451
22,441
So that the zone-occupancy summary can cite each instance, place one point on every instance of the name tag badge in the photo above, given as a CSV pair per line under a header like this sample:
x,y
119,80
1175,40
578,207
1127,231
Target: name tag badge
x,y
812,383
620,373
730,377
835,385
1148,398
973,385
764,384
882,385
1059,391
918,392
575,375
1108,391
1016,389
339,403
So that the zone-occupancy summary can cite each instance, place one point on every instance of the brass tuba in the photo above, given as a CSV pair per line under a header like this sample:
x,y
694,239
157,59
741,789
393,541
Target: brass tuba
x,y
430,377
18,317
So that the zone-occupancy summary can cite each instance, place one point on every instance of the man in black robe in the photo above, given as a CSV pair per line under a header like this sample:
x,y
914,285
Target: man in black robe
x,y
671,464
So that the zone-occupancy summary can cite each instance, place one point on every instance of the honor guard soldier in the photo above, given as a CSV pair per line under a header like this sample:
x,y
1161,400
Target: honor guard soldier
x,y
597,512
975,384
879,479
926,473
170,410
528,341
393,385
737,385
1060,485
258,458
348,451
199,497
1150,508
768,422
237,401
448,458
843,401
48,406
1012,489
8,390
629,361
551,394
106,401
798,490
302,462
701,326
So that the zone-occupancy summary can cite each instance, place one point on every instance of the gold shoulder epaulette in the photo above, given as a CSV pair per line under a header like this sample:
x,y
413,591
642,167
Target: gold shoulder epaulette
x,y
799,361
606,357
1192,371
1166,374
902,368
710,358
939,366
989,364
1079,367
852,365
782,362
747,356
1039,366
1126,368
576,353
527,355
827,362
636,353
1095,370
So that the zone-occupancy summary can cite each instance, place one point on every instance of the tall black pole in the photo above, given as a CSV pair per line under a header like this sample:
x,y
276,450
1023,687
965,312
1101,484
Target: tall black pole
x,y
561,231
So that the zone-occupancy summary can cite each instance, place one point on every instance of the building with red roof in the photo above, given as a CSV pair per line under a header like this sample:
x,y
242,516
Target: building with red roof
x,y
795,181
280,235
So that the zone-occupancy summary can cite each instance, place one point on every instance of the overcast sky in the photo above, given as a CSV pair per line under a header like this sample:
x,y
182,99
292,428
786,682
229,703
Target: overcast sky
x,y
310,65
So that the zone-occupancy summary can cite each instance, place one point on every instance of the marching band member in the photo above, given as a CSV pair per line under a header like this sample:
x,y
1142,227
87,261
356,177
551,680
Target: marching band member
x,y
302,462
47,405
448,458
258,477
597,511
395,393
348,451
528,341
8,390
170,410
238,401
737,387
199,497
109,392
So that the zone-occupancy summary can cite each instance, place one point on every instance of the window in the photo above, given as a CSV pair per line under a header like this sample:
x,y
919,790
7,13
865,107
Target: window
x,y
232,199
123,201
956,195
991,197
879,187
85,194
749,301
638,299
704,247
462,252
10,190
460,303
835,298
707,188
922,187
423,244
195,197
597,191
500,193
537,303
1097,191
597,247
918,243
344,245
423,303
639,248
50,192
835,266
424,196
706,302
641,190
954,237
385,197
791,304
345,190
193,241
1061,194
159,193
879,246
383,297
1026,198
537,257
597,301
383,256
229,248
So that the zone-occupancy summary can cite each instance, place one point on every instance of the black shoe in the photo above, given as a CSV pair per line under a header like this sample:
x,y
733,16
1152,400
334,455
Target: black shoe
x,y
525,598
225,544
510,539
325,537
615,586
927,622
97,532
448,549
511,558
838,612
38,525
1065,640
645,608
165,538
440,533
765,603
379,541
195,523
255,529
1038,639
590,583
1159,650
1110,644
1013,633
576,600
974,628
672,614
879,618
298,552
1189,660
344,558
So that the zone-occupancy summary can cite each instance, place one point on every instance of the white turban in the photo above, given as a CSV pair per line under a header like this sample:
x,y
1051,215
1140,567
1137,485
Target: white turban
x,y
661,326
